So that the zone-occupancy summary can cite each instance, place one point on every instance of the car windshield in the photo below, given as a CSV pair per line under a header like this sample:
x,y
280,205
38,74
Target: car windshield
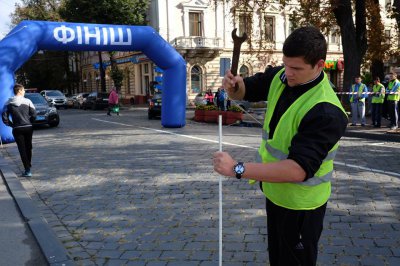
x,y
54,93
36,98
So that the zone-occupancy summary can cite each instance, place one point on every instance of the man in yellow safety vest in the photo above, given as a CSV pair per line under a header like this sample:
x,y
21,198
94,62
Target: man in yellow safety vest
x,y
393,98
378,98
303,124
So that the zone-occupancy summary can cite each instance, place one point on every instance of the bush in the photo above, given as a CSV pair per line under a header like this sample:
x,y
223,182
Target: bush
x,y
235,108
200,107
210,108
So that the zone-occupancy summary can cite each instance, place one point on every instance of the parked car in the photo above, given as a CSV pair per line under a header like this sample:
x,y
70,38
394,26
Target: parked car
x,y
55,97
45,114
96,100
79,99
155,103
71,100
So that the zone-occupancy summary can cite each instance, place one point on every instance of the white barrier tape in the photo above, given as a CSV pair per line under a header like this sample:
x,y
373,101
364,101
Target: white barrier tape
x,y
366,93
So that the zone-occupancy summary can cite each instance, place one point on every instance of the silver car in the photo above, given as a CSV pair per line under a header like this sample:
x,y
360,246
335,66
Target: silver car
x,y
55,97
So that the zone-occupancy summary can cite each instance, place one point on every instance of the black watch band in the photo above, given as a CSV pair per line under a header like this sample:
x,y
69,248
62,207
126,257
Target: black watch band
x,y
239,170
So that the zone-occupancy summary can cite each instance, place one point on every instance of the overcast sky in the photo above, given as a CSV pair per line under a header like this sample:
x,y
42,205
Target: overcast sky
x,y
6,8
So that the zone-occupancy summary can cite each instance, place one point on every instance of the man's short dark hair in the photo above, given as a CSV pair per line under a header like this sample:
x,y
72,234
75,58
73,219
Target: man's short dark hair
x,y
17,88
307,42
377,79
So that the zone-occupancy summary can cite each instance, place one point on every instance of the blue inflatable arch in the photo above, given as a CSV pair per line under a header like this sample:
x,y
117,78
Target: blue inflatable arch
x,y
30,36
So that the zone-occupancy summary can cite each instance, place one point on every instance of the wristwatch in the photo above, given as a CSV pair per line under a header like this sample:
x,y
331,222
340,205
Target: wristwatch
x,y
239,169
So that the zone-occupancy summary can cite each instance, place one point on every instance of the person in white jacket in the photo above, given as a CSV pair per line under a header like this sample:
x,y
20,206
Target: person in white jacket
x,y
23,113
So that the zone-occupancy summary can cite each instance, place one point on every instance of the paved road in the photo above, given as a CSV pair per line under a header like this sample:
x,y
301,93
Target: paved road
x,y
125,191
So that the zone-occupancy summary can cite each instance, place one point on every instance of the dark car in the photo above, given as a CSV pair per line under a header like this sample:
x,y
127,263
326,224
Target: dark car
x,y
155,106
96,100
45,114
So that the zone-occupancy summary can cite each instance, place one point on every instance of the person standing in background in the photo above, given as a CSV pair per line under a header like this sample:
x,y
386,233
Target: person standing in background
x,y
377,101
112,101
23,113
358,93
393,98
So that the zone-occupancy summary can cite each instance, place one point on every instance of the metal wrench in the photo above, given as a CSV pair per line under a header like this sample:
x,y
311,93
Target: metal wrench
x,y
237,42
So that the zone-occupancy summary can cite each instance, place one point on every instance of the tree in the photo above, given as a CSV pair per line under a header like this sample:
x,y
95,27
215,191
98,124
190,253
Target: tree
x,y
117,12
323,13
377,48
47,69
354,36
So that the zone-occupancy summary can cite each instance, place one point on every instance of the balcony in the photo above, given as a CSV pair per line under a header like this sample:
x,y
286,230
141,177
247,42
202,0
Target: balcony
x,y
194,46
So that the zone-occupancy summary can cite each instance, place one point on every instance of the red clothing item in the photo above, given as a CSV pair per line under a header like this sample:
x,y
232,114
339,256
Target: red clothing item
x,y
113,97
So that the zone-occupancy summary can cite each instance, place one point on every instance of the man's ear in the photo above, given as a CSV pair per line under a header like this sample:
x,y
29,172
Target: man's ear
x,y
321,64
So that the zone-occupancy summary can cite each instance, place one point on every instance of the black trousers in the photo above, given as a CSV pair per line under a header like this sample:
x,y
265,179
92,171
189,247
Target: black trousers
x,y
23,138
293,235
393,113
376,114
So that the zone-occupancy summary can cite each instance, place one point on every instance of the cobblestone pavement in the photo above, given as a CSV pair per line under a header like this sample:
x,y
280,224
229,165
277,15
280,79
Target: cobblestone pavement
x,y
125,191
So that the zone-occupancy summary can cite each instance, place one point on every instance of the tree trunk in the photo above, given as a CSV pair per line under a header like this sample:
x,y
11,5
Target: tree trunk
x,y
377,69
377,40
353,39
396,5
102,73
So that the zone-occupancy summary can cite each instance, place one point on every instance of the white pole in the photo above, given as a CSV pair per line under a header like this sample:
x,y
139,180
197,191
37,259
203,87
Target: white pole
x,y
220,193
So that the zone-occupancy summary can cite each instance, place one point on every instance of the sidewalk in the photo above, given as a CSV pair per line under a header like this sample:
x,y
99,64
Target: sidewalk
x,y
369,132
26,238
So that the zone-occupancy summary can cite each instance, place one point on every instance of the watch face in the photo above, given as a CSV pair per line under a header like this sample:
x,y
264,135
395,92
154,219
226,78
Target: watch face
x,y
239,169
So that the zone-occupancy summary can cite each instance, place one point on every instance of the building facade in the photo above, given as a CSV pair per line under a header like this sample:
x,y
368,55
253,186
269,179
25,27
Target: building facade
x,y
200,31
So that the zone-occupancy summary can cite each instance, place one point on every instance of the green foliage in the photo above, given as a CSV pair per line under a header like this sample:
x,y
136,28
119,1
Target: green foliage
x,y
200,107
47,70
117,75
123,12
234,108
210,107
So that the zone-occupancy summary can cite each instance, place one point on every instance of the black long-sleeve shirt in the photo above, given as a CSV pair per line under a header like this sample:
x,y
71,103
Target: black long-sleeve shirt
x,y
318,132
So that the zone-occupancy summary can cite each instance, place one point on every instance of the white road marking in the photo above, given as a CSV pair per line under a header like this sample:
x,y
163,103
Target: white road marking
x,y
244,146
176,134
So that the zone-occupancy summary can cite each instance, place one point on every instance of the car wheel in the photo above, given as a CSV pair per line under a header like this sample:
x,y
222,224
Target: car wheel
x,y
94,106
55,122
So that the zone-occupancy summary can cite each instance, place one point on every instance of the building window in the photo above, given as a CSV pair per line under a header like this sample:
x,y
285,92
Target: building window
x,y
195,24
334,36
127,81
269,29
244,71
291,26
90,81
195,79
244,24
146,77
387,36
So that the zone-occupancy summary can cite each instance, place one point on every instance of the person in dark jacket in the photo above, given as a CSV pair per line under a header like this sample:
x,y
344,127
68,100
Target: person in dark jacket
x,y
22,113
